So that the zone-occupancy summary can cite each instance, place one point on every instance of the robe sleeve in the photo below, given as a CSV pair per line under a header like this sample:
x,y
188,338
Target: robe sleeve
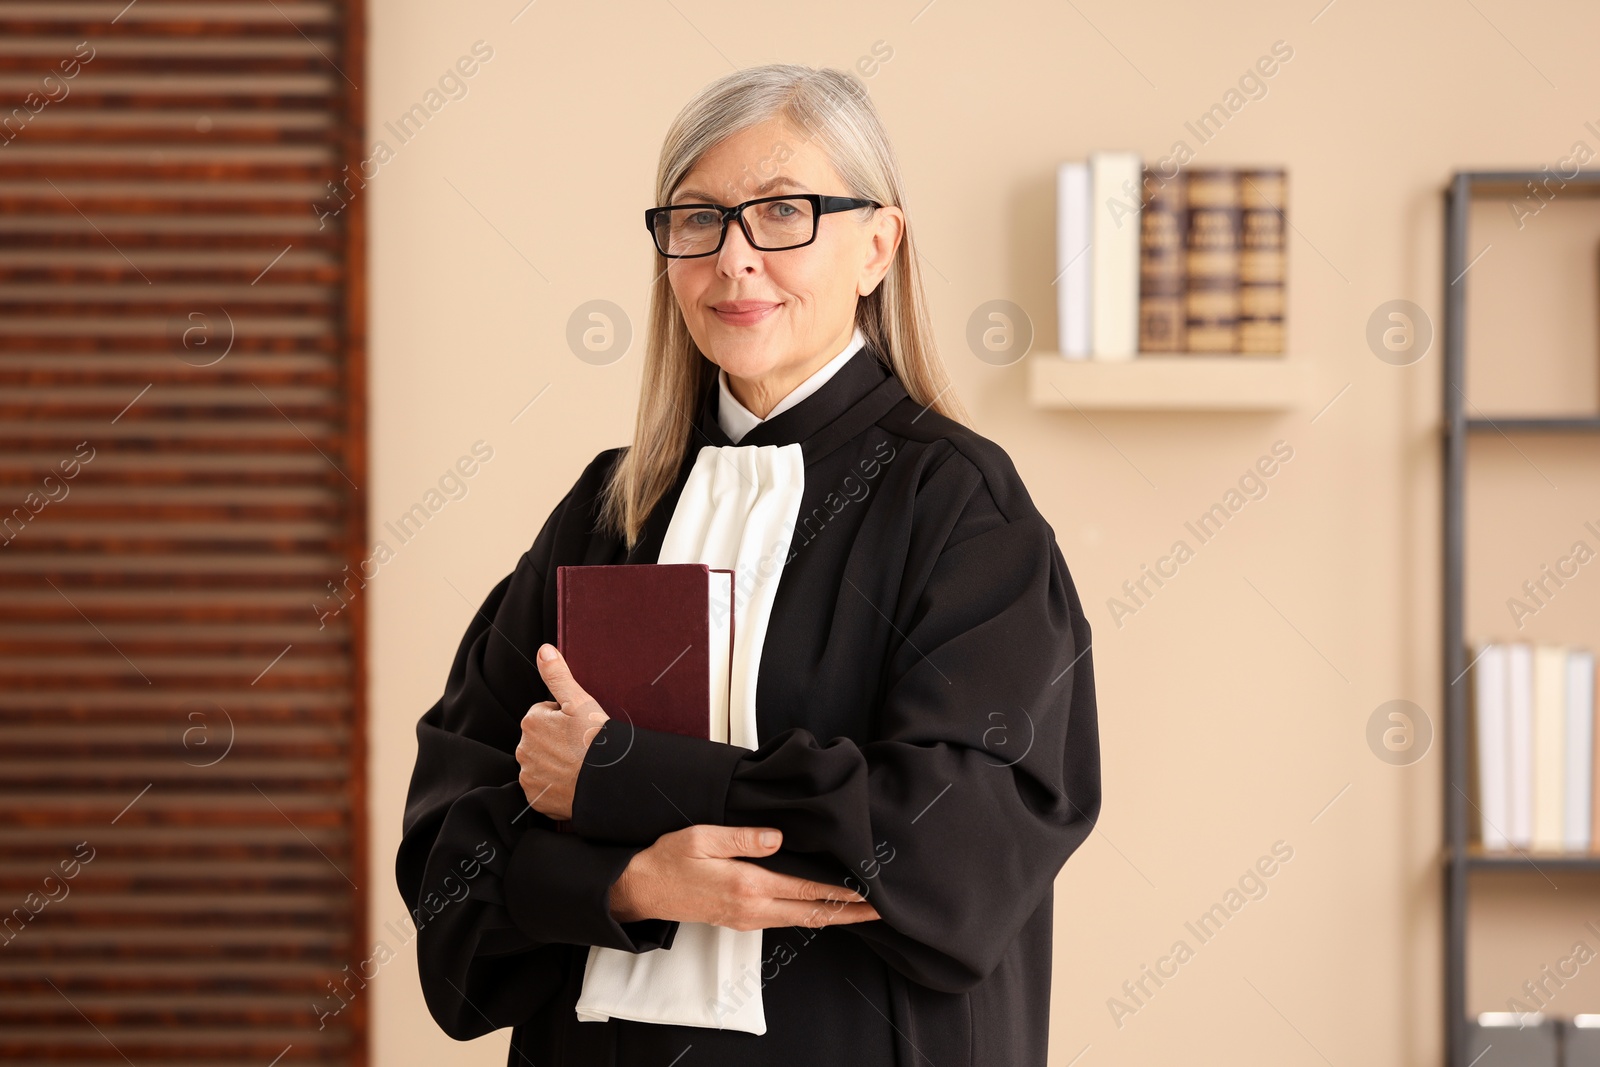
x,y
982,777
497,896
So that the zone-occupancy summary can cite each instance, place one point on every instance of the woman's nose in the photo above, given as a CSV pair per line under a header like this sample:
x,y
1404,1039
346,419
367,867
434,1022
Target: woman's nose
x,y
736,252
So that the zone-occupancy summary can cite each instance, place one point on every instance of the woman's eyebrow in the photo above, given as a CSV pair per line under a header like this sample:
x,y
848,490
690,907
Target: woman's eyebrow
x,y
699,196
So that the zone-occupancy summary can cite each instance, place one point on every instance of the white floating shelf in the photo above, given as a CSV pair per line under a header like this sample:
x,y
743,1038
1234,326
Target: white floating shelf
x,y
1167,383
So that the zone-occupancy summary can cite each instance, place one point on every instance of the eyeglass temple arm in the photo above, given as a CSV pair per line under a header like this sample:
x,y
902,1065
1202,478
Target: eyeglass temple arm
x,y
843,203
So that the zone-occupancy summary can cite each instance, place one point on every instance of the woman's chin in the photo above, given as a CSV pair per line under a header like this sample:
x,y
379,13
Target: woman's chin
x,y
744,352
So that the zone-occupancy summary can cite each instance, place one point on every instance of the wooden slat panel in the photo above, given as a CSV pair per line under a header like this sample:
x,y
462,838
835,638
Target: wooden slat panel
x,y
182,620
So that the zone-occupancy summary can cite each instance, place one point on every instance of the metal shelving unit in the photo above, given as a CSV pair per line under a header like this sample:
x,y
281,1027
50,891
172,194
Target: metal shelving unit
x,y
1460,861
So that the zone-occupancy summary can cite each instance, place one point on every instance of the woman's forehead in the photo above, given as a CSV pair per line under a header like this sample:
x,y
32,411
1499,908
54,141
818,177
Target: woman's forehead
x,y
765,160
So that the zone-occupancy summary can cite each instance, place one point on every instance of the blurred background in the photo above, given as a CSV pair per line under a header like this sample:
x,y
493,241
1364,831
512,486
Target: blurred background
x,y
274,275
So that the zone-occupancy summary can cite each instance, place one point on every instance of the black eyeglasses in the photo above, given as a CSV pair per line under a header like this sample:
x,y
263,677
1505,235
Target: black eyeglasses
x,y
684,231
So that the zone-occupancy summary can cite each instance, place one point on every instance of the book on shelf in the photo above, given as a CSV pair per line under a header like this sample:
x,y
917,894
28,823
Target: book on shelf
x,y
1211,260
1114,231
1263,266
1150,263
652,643
1073,263
1162,255
1531,747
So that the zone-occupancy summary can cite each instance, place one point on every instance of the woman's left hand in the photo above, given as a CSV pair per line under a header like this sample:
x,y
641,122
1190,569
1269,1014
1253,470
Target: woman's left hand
x,y
555,737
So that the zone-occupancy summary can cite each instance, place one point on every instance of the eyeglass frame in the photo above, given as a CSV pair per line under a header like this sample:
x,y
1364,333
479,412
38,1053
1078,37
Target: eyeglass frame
x,y
821,205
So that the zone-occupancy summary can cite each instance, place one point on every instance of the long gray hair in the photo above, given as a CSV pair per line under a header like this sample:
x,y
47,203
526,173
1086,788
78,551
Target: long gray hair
x,y
831,108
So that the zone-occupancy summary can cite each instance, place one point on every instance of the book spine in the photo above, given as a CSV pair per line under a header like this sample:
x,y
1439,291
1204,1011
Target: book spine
x,y
1262,267
1549,722
562,826
1073,260
1211,297
1161,264
1114,315
1594,756
1487,687
1575,829
1519,744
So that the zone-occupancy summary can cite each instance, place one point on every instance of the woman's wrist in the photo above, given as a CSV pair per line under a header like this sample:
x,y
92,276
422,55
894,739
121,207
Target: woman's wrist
x,y
623,900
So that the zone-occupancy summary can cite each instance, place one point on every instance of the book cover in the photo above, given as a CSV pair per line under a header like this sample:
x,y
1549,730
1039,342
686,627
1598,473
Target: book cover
x,y
652,643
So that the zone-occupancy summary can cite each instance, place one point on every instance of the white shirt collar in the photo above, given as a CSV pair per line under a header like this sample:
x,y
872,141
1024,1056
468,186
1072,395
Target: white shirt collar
x,y
736,420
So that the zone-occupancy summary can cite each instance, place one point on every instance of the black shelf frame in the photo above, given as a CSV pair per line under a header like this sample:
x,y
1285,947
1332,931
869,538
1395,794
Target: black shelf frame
x,y
1460,862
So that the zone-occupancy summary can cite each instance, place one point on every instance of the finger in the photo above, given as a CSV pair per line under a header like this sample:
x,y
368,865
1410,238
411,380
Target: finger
x,y
553,669
805,913
729,842
789,887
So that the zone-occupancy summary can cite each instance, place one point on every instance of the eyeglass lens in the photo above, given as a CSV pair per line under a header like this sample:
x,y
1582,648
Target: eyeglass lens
x,y
775,224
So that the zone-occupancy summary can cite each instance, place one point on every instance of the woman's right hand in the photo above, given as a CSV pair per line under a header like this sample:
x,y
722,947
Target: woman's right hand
x,y
694,875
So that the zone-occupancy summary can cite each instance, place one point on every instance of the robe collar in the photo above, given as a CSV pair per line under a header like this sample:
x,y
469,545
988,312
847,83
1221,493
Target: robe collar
x,y
855,397
845,406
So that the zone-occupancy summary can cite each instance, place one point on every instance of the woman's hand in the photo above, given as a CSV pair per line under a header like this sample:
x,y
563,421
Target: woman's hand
x,y
555,737
692,875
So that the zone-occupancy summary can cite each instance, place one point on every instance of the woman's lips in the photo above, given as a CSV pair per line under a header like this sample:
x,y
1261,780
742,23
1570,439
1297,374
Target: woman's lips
x,y
746,314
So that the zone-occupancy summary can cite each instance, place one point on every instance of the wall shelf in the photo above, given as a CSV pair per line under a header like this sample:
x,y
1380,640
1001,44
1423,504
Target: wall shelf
x,y
1167,383
1478,860
1534,424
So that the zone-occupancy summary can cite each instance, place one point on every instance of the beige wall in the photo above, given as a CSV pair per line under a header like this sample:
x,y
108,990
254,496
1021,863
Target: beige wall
x,y
1233,707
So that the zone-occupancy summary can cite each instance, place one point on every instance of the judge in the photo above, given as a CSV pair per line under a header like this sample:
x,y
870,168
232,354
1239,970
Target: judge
x,y
865,875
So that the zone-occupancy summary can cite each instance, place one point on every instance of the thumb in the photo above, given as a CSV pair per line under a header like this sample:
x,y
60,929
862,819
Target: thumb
x,y
553,669
730,841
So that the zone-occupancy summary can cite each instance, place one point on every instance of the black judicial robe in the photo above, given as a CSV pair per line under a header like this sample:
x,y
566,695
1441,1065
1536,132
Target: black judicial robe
x,y
927,709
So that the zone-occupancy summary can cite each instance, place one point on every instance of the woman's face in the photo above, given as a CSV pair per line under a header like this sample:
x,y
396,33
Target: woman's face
x,y
799,304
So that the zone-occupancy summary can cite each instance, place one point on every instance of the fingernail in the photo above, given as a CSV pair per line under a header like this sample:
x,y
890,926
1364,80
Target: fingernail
x,y
547,652
769,838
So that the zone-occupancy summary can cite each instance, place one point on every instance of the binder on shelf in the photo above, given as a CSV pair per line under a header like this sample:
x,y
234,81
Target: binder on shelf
x,y
1509,1039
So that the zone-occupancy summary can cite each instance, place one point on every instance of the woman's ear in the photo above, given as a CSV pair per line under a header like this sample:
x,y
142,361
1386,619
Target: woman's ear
x,y
887,226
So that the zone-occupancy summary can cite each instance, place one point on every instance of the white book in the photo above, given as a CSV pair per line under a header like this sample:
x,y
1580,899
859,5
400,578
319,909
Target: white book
x,y
1519,744
1494,767
1549,744
1575,828
1074,265
1115,179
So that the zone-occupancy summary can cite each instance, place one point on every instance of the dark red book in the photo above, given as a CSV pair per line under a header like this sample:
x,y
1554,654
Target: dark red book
x,y
652,643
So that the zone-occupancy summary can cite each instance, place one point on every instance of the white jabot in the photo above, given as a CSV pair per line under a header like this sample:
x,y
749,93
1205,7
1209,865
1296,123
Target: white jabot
x,y
737,509
737,420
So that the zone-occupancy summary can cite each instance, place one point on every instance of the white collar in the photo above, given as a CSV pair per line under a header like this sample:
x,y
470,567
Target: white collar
x,y
736,420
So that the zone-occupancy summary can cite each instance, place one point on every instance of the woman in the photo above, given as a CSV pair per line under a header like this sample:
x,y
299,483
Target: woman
x,y
915,727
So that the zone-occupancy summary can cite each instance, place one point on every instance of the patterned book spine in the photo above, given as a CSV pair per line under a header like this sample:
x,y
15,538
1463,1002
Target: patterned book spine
x,y
1262,272
1161,264
1211,296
